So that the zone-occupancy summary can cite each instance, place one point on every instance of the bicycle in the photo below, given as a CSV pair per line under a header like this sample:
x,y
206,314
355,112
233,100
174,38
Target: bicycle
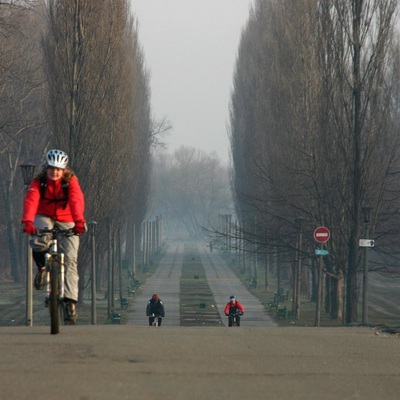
x,y
153,319
234,318
55,278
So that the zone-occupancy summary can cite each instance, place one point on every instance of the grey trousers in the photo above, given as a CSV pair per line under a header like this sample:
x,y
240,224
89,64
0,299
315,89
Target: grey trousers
x,y
68,245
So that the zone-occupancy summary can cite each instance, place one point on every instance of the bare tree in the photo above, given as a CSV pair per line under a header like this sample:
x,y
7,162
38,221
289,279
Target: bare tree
x,y
315,90
22,128
100,107
190,190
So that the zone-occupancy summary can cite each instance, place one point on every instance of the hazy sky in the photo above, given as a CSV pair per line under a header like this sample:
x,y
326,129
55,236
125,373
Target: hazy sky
x,y
190,49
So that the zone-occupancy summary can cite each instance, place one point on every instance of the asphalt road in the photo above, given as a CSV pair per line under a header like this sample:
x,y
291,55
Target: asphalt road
x,y
142,362
165,282
222,282
256,361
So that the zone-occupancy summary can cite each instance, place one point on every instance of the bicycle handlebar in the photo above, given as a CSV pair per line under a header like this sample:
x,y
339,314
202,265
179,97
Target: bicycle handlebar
x,y
55,231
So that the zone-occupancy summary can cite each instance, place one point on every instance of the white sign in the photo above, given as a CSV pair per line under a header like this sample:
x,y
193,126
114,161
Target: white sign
x,y
366,243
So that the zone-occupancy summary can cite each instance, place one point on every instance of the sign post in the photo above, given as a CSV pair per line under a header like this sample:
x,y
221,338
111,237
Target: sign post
x,y
321,235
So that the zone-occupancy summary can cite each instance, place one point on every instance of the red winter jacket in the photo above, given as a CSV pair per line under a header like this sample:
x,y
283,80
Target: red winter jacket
x,y
233,307
52,204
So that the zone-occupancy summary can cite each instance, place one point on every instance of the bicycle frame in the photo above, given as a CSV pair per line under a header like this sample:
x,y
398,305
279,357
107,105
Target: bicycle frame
x,y
54,258
234,318
155,319
55,277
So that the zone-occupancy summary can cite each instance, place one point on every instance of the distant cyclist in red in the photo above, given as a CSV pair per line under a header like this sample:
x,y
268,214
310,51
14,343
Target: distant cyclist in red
x,y
234,308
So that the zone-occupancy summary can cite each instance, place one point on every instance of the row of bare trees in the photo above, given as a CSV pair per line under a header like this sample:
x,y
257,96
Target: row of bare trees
x,y
77,81
314,132
22,116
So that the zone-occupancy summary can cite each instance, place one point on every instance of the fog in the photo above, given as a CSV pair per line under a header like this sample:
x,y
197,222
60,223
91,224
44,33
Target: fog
x,y
190,50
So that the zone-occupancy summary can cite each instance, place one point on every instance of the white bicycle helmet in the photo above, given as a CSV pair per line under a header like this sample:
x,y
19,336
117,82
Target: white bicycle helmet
x,y
57,159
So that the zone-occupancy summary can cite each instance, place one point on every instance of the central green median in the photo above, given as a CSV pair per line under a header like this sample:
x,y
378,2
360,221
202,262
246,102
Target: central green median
x,y
197,303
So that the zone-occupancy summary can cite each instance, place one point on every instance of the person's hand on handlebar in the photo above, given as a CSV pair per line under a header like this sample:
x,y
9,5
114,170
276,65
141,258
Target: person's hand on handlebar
x,y
79,227
29,228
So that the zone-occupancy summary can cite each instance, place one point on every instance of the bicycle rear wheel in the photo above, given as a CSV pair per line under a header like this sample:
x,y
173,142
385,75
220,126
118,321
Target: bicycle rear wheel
x,y
54,299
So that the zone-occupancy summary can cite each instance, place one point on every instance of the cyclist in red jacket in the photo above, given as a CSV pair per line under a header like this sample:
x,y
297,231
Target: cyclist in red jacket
x,y
234,308
55,198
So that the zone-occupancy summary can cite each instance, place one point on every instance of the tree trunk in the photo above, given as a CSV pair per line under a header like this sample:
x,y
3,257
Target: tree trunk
x,y
15,262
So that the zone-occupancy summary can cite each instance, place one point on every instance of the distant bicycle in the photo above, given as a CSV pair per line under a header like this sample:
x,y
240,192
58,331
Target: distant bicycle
x,y
55,279
234,318
154,320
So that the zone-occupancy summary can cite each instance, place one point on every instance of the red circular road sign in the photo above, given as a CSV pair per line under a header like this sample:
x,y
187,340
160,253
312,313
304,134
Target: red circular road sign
x,y
322,234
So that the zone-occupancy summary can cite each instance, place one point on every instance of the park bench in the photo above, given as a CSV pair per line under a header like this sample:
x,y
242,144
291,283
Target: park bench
x,y
282,312
252,283
136,283
282,295
274,303
115,318
124,302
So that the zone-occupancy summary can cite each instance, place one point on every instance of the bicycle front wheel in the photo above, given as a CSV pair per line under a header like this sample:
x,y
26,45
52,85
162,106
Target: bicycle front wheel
x,y
54,299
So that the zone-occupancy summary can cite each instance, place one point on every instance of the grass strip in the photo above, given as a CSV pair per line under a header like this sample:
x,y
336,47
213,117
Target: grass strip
x,y
197,303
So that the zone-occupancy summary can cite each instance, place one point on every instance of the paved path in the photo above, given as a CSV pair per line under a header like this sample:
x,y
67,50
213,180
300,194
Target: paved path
x,y
221,279
107,362
135,361
165,282
223,282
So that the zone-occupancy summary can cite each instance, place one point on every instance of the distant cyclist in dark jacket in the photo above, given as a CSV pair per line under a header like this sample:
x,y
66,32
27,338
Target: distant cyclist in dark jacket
x,y
155,307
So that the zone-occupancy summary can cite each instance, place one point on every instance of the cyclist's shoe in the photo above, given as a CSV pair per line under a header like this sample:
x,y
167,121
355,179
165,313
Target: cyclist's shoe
x,y
39,279
71,314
